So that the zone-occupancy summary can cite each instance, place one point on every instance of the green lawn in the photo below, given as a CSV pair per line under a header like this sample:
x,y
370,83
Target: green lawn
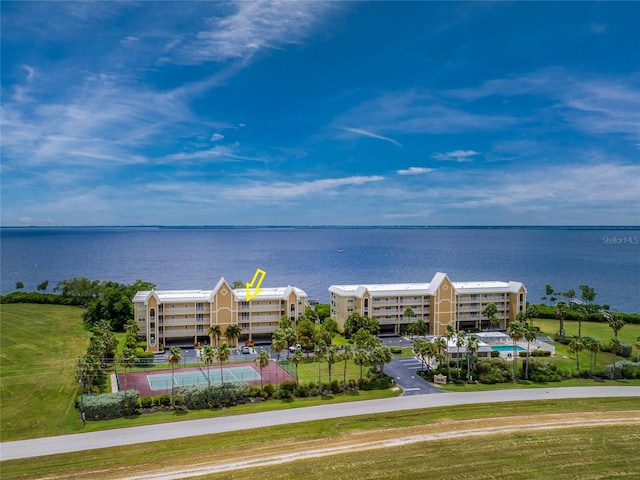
x,y
39,350
589,452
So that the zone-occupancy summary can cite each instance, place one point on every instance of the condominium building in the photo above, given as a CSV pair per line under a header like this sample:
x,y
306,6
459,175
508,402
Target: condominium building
x,y
440,302
183,317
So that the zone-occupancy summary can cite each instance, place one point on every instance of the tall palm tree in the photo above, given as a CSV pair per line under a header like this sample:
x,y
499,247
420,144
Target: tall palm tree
x,y
214,332
581,315
576,346
615,322
361,358
320,353
278,342
473,343
208,355
175,355
490,312
516,331
223,352
332,357
530,334
449,333
561,314
262,361
615,348
461,340
296,359
441,345
409,313
422,327
232,333
345,355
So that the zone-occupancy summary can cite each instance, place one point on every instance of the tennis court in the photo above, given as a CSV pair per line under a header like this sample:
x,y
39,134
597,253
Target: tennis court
x,y
162,381
158,382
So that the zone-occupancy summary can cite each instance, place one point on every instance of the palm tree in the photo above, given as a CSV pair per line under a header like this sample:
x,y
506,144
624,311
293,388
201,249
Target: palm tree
x,y
461,340
278,342
332,357
530,334
581,315
345,355
473,343
449,333
615,348
232,333
223,352
320,353
532,311
409,313
422,327
296,359
441,345
615,322
208,355
561,314
490,312
361,358
262,361
576,346
175,355
214,331
516,331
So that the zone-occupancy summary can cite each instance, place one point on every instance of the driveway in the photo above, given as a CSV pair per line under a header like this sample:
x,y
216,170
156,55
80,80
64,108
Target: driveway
x,y
405,372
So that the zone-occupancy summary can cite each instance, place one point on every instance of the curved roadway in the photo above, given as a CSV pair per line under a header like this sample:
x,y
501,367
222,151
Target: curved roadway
x,y
167,431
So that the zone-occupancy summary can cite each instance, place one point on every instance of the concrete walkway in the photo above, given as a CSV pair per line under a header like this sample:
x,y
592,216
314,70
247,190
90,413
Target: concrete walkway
x,y
128,436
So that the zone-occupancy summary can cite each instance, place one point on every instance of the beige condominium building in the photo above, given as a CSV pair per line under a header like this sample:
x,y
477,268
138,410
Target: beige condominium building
x,y
440,302
183,317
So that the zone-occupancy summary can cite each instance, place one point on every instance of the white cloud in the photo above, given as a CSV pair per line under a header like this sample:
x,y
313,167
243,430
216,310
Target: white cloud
x,y
216,137
415,171
252,27
360,131
456,156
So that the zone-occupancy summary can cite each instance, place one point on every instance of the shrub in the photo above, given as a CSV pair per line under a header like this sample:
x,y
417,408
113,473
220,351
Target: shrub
x,y
164,400
396,350
268,389
625,350
287,386
108,405
495,354
146,402
624,369
145,359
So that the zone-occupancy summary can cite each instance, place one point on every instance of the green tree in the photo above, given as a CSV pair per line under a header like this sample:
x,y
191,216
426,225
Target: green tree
x,y
331,326
530,334
263,361
588,294
345,355
380,356
208,355
356,321
306,332
409,314
449,333
42,287
323,310
516,331
128,358
361,358
581,315
561,314
320,354
532,311
615,322
238,285
214,331
422,327
19,285
460,340
331,357
570,295
575,347
490,312
223,352
615,346
593,346
278,342
232,333
296,359
473,343
175,355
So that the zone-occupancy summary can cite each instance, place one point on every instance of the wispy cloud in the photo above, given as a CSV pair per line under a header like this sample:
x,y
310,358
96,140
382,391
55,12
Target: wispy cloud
x,y
252,27
456,156
365,133
415,171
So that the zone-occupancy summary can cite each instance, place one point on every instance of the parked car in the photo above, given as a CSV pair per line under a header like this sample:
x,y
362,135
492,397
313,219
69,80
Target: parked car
x,y
295,347
245,349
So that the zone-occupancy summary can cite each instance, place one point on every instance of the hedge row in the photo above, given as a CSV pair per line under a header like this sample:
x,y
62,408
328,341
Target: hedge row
x,y
549,311
108,405
40,298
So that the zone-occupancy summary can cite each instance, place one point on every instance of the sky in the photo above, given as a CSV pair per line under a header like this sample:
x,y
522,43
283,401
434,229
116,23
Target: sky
x,y
320,113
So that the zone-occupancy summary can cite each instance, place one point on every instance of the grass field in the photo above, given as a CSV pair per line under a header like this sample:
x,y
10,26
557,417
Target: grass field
x,y
578,452
39,350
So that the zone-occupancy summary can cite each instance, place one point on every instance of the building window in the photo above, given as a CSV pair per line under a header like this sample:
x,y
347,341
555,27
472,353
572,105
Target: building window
x,y
199,306
200,328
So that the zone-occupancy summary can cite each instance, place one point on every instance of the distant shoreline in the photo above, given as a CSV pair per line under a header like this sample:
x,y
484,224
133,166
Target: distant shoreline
x,y
331,227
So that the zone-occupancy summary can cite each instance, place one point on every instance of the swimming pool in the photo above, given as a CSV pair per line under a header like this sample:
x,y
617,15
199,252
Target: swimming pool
x,y
506,348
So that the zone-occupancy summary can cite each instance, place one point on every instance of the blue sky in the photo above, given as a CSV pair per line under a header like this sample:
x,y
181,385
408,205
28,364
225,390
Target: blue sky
x,y
332,113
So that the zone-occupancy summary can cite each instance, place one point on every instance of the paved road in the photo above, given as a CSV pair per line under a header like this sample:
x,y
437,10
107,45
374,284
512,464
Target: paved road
x,y
405,373
133,435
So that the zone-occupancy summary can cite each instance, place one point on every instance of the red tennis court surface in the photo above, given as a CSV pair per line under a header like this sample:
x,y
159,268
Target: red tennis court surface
x,y
272,373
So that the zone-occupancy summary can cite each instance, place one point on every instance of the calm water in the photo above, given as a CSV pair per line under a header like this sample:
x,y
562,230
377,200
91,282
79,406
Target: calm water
x,y
314,258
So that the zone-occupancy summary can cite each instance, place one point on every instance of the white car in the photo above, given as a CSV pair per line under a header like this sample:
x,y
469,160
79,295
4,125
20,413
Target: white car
x,y
295,347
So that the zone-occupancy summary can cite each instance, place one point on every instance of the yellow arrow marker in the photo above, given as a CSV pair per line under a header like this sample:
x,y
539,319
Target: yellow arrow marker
x,y
261,274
